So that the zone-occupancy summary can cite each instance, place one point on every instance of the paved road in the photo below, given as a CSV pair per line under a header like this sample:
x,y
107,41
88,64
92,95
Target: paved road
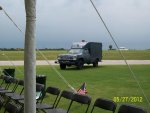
x,y
104,62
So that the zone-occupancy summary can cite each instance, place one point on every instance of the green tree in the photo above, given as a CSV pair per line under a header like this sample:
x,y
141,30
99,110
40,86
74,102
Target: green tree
x,y
110,47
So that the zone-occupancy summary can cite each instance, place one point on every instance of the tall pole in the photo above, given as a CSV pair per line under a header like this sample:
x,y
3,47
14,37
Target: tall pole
x,y
0,8
30,58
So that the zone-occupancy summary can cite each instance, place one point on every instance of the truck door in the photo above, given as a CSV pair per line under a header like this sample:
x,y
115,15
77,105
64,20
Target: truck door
x,y
86,55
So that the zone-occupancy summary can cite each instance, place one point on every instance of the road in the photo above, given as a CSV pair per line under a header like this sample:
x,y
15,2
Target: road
x,y
104,62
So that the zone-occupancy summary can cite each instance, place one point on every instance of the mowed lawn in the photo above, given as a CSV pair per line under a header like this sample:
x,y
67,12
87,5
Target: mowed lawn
x,y
52,55
104,82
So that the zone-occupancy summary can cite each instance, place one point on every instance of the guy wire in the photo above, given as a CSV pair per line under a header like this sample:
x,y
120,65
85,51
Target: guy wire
x,y
8,58
58,73
113,39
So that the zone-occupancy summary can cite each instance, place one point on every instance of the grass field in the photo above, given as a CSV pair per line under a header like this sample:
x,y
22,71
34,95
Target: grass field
x,y
104,81
52,55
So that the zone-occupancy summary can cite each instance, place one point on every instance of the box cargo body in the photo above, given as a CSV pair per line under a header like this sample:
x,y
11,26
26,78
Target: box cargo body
x,y
95,50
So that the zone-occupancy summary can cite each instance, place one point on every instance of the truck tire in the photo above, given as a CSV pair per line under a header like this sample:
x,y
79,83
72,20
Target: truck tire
x,y
95,64
80,64
63,66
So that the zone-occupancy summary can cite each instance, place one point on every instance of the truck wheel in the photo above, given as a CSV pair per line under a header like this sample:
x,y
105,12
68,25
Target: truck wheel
x,y
95,64
80,64
62,66
69,65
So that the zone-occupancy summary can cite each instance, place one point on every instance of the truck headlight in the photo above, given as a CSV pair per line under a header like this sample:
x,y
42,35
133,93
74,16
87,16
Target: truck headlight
x,y
74,57
58,57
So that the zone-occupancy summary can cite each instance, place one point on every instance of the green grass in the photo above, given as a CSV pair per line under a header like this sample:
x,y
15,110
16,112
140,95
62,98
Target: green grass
x,y
104,81
52,55
129,55
19,55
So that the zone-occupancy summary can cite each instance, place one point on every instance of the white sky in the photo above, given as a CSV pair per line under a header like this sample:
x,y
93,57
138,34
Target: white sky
x,y
61,22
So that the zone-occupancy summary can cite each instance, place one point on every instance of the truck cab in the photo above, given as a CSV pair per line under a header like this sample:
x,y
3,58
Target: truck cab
x,y
81,53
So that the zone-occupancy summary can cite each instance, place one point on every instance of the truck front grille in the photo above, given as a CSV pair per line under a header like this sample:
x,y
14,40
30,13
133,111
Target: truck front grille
x,y
66,58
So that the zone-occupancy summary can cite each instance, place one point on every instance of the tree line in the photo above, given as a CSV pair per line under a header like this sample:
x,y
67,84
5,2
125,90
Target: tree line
x,y
22,49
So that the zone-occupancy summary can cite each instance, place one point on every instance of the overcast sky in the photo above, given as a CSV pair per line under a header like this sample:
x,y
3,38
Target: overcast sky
x,y
61,22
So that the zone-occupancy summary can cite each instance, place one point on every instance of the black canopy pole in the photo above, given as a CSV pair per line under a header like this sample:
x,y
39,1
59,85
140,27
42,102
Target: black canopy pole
x,y
1,8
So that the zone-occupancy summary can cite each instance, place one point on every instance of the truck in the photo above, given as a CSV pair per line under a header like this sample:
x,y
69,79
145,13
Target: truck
x,y
81,53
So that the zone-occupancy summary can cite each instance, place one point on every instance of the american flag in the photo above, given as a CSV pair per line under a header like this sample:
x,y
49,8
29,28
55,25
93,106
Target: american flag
x,y
82,89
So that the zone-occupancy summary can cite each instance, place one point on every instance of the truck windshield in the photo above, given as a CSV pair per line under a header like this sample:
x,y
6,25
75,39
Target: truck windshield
x,y
75,51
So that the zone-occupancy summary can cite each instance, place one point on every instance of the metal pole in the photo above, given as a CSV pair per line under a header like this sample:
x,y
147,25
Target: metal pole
x,y
30,58
1,8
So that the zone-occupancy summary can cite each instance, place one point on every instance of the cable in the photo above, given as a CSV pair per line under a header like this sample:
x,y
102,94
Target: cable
x,y
129,67
19,30
8,58
2,71
57,72
12,21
